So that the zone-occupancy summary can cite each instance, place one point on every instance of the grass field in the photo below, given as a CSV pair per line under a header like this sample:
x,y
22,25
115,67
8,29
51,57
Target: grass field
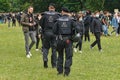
x,y
90,65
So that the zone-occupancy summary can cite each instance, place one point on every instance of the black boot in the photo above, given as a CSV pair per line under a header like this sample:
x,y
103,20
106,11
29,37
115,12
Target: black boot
x,y
45,64
66,74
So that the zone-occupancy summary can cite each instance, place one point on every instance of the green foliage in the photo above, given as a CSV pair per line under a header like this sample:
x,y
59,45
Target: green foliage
x,y
110,5
95,4
73,5
4,6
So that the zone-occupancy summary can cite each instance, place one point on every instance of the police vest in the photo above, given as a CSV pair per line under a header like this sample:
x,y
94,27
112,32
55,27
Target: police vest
x,y
65,26
50,20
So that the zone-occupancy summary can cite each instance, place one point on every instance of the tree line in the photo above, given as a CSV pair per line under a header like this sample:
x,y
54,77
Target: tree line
x,y
73,5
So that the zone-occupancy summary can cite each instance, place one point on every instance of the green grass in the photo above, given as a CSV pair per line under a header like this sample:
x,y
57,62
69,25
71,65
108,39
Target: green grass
x,y
90,65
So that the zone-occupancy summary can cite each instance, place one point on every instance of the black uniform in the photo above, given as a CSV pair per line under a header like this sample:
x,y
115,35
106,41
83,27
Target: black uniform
x,y
87,23
96,29
64,29
82,30
47,22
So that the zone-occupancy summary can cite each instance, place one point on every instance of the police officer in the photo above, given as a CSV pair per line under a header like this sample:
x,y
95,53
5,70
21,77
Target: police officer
x,y
47,22
64,29
97,30
28,26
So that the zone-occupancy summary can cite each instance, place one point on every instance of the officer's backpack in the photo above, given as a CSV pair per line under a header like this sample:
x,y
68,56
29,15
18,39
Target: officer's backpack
x,y
51,18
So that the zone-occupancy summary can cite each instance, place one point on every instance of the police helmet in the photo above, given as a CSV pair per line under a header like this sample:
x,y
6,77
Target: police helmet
x,y
76,38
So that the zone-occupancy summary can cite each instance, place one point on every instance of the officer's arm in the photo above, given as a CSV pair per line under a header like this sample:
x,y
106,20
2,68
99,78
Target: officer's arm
x,y
57,16
76,26
23,22
41,23
55,28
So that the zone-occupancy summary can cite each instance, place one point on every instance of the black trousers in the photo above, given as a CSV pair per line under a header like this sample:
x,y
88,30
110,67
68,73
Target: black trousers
x,y
80,43
13,24
118,31
97,41
38,40
49,41
67,46
87,35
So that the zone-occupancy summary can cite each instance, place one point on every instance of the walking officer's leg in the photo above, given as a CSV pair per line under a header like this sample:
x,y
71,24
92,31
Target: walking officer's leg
x,y
68,58
60,49
54,54
45,50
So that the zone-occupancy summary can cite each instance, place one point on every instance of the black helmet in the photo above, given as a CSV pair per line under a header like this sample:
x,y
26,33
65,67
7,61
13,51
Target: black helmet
x,y
76,38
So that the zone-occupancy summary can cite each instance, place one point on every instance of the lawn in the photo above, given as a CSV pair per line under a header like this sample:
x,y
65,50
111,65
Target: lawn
x,y
90,65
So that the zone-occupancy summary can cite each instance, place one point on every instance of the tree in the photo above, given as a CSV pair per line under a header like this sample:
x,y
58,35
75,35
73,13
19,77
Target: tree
x,y
73,5
4,6
95,4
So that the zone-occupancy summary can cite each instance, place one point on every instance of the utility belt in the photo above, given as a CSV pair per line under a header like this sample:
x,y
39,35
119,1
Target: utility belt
x,y
63,37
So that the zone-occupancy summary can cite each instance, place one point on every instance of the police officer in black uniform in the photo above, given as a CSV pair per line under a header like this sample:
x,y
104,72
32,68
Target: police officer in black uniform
x,y
64,29
47,22
97,30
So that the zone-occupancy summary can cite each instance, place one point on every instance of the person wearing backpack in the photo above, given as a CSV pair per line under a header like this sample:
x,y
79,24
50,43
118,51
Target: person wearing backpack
x,y
64,30
49,41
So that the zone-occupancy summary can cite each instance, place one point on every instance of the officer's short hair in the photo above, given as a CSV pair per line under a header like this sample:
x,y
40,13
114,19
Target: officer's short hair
x,y
52,5
65,9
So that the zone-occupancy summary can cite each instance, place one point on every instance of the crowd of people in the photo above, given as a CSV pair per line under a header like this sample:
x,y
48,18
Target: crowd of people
x,y
59,31
10,18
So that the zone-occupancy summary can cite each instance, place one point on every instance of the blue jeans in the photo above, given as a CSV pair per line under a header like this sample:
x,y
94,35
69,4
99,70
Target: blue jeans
x,y
105,29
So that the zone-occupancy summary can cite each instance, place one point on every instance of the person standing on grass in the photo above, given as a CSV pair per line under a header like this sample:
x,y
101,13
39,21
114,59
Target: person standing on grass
x,y
49,41
105,23
96,30
13,20
38,31
115,24
118,31
64,30
9,19
28,26
87,24
80,23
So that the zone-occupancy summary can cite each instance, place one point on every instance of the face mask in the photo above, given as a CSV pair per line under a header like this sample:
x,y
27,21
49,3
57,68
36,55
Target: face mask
x,y
80,19
39,17
97,15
